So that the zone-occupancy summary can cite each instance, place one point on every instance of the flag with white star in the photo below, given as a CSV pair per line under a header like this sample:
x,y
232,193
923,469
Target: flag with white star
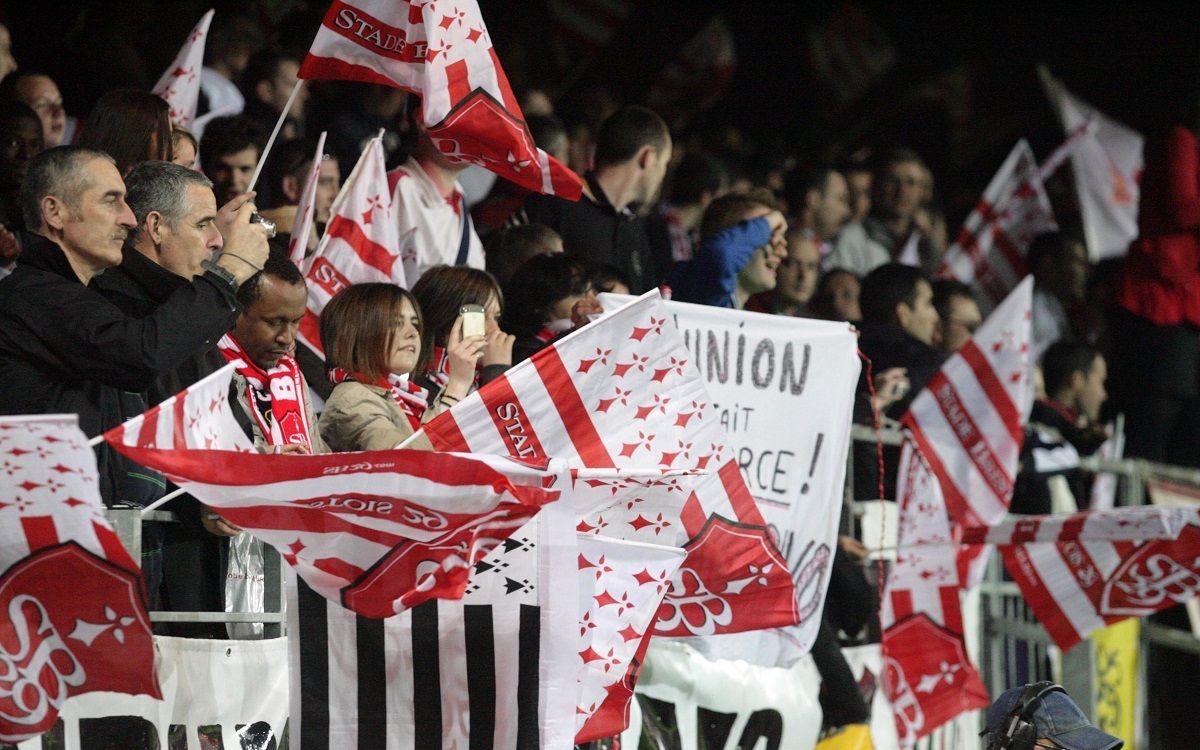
x,y
54,544
179,85
441,51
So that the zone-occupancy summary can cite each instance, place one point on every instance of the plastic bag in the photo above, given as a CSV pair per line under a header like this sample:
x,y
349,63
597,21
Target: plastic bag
x,y
245,585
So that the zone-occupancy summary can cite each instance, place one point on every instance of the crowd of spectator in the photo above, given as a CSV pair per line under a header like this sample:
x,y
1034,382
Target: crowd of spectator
x,y
134,267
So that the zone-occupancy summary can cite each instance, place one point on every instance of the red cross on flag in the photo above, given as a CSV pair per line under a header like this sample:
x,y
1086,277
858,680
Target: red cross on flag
x,y
72,611
179,85
361,242
989,252
199,416
442,52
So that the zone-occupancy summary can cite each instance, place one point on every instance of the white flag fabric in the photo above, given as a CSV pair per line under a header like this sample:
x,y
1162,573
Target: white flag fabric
x,y
1113,524
200,416
969,420
307,207
179,85
360,243
1107,166
989,252
928,677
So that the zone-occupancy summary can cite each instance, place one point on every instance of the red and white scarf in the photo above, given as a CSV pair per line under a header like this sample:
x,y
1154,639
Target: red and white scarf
x,y
282,387
438,371
412,399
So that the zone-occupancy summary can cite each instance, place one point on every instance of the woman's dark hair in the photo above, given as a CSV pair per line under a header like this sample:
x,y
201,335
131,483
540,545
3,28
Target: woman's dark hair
x,y
537,286
130,126
509,247
358,324
441,291
604,277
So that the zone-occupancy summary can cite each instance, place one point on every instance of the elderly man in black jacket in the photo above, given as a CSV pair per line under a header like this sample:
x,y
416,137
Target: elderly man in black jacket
x,y
63,346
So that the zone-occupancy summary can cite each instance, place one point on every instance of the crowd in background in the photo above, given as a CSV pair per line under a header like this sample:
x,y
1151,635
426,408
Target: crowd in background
x,y
114,300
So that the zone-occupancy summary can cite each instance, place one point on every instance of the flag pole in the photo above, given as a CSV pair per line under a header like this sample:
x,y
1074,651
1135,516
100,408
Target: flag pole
x,y
262,159
162,500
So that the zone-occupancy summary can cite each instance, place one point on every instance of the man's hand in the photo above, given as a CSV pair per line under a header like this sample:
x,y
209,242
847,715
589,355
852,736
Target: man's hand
x,y
891,385
10,247
214,524
245,249
853,547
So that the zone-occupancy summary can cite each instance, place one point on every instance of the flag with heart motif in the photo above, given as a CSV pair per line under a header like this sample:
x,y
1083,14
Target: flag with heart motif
x,y
989,252
361,242
199,416
179,85
444,54
54,545
1108,572
928,677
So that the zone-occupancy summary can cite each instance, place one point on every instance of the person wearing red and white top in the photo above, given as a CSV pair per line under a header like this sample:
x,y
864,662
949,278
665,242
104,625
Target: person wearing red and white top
x,y
427,201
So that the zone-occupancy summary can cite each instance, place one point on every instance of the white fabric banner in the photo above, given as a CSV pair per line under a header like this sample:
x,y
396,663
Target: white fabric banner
x,y
725,704
231,694
783,389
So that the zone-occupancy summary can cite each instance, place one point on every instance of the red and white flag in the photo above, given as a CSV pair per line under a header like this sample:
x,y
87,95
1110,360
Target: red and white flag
x,y
623,392
621,584
927,675
72,600
1107,166
1112,524
179,85
307,207
444,54
199,416
1077,587
989,252
360,244
377,532
969,420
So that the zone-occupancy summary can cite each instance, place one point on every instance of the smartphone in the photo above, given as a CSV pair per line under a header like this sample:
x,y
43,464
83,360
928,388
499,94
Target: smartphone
x,y
472,317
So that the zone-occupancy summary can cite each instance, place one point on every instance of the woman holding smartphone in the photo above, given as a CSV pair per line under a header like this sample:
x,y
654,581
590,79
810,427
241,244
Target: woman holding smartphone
x,y
467,300
371,334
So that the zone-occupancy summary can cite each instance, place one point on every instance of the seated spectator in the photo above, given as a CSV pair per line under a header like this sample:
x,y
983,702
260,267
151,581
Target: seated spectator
x,y
40,93
891,233
184,147
819,201
741,245
358,112
958,314
232,39
633,149
508,248
1062,427
267,83
859,178
836,297
285,175
271,399
431,214
1042,715
441,294
20,141
229,151
544,299
371,334
130,126
65,348
899,321
674,228
796,278
1059,264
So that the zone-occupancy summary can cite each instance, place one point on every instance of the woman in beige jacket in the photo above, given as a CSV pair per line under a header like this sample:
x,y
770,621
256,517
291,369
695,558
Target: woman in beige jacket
x,y
371,334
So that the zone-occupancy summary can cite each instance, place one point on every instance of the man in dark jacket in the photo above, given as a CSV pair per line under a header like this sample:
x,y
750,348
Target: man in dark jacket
x,y
633,149
64,348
